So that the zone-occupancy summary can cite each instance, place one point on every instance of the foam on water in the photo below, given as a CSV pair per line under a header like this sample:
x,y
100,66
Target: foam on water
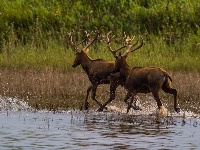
x,y
13,104
148,108
153,110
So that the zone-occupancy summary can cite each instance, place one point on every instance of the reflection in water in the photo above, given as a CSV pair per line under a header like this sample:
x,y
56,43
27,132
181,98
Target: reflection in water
x,y
92,130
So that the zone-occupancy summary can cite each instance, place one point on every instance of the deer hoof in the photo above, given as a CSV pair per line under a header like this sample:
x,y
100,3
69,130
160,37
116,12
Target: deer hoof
x,y
136,108
128,108
177,109
100,109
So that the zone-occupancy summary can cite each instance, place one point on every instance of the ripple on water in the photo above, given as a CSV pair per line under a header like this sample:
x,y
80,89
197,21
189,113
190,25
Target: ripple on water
x,y
112,129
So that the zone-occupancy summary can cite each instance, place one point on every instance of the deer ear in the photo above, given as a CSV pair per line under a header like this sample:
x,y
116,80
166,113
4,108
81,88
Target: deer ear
x,y
87,50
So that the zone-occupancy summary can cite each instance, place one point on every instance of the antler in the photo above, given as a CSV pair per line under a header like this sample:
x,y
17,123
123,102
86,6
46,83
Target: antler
x,y
75,46
108,40
131,46
92,41
128,39
87,37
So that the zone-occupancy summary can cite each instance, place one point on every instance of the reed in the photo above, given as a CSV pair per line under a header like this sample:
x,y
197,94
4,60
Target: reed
x,y
53,89
35,57
181,56
44,18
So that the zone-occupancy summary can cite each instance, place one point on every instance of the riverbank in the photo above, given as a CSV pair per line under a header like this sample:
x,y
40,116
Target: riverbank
x,y
53,89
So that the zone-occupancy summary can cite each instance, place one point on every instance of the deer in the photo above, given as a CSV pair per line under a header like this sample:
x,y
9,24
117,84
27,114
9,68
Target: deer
x,y
114,78
97,70
143,79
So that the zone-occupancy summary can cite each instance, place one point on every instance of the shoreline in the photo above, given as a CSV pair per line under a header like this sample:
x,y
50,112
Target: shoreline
x,y
54,89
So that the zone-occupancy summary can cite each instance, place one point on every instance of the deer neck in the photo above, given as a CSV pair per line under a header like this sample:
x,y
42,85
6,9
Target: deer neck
x,y
86,63
125,70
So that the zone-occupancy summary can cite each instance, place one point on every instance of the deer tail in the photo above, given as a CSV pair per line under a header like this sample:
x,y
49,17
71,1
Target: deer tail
x,y
169,77
166,74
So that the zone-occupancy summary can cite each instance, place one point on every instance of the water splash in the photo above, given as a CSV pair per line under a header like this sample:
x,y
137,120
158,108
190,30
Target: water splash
x,y
13,104
151,109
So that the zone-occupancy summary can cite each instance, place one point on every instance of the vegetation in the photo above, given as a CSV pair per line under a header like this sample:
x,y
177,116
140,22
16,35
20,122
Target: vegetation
x,y
33,33
34,48
53,90
50,18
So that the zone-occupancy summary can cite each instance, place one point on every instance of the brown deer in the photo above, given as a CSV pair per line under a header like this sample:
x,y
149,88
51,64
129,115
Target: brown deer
x,y
98,70
144,79
115,78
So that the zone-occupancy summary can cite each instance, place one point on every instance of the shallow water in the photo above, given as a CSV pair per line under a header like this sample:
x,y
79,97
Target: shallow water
x,y
21,128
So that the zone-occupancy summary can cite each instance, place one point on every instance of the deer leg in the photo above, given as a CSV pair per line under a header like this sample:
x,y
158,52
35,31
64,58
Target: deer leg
x,y
86,104
113,88
174,92
94,95
130,104
135,107
156,97
128,95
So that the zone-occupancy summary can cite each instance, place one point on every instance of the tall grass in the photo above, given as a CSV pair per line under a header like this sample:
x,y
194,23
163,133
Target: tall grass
x,y
53,89
33,33
52,18
181,56
27,57
36,59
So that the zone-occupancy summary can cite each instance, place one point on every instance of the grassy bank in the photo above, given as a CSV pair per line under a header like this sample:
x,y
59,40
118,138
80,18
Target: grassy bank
x,y
40,19
33,33
36,59
181,56
43,75
52,89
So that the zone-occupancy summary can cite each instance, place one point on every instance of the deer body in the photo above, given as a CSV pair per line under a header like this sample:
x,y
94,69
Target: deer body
x,y
144,80
98,72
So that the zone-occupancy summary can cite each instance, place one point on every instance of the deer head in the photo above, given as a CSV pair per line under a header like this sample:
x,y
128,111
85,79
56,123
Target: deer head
x,y
120,62
81,53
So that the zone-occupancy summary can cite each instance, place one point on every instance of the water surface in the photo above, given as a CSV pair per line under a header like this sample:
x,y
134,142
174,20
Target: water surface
x,y
22,128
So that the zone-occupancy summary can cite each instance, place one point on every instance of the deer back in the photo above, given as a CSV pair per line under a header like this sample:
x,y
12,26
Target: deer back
x,y
101,68
141,77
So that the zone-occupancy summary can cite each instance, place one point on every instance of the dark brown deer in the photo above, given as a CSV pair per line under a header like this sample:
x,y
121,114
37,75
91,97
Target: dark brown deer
x,y
98,71
116,79
144,79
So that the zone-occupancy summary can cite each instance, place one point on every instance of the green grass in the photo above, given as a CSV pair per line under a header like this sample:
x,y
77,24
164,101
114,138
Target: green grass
x,y
33,33
181,56
42,19
25,57
36,59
